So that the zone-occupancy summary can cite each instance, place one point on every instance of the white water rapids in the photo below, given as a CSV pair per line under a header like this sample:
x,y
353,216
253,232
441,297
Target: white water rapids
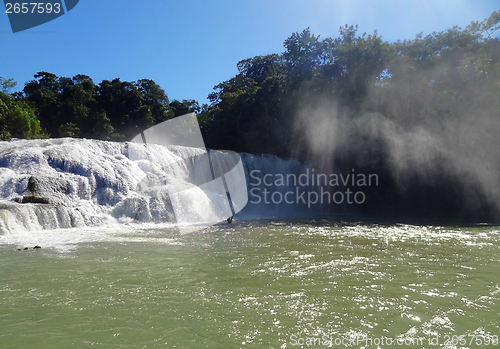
x,y
91,183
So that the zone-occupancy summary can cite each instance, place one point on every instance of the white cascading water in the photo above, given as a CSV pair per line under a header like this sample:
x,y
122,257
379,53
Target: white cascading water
x,y
92,183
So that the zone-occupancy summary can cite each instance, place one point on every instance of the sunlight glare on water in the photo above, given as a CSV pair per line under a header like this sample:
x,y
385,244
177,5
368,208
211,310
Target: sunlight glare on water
x,y
267,283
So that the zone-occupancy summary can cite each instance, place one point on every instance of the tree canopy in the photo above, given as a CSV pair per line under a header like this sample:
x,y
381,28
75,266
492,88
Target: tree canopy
x,y
254,111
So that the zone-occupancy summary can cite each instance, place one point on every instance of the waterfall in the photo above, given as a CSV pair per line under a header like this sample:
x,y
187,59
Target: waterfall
x,y
77,183
275,187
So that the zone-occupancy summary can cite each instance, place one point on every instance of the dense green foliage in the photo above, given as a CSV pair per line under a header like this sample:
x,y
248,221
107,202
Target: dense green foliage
x,y
17,119
77,107
416,80
254,111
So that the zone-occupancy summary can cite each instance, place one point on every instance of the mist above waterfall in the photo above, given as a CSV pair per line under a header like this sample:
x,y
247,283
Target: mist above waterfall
x,y
433,151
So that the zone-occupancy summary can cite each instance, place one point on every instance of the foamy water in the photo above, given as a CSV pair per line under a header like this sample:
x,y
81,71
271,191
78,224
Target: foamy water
x,y
102,184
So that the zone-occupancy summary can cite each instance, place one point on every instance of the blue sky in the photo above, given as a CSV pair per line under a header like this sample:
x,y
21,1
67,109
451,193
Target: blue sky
x,y
189,46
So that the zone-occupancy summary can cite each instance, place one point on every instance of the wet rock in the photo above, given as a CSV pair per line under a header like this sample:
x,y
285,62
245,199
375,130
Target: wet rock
x,y
32,184
33,199
27,248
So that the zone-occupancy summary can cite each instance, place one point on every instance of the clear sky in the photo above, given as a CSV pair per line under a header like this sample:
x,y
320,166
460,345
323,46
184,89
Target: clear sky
x,y
189,46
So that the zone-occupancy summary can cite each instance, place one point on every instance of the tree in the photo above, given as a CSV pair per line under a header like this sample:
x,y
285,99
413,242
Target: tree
x,y
42,94
303,53
7,84
125,107
17,119
187,106
155,98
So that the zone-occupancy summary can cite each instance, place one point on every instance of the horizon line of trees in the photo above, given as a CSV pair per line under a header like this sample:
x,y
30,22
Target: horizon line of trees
x,y
52,106
254,111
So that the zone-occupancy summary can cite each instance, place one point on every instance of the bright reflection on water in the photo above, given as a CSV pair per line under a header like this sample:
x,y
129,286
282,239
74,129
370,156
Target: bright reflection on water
x,y
253,284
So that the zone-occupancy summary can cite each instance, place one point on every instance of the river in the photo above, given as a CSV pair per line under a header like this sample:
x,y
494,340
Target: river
x,y
277,283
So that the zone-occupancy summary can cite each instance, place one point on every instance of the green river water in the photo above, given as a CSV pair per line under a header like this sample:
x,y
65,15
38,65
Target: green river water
x,y
257,284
